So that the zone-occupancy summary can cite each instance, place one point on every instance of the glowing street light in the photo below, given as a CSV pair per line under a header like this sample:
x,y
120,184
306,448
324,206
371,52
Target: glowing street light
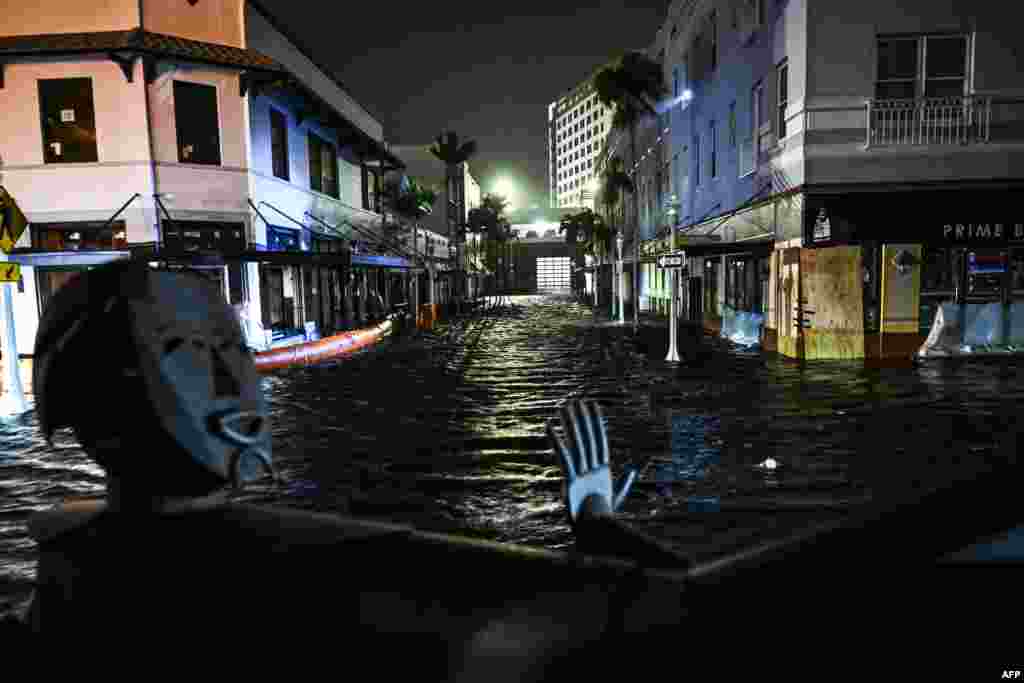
x,y
506,189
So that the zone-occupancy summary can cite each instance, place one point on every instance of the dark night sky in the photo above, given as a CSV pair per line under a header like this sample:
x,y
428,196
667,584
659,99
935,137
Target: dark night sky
x,y
422,67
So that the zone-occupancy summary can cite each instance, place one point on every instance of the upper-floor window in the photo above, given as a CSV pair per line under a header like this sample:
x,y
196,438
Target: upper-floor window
x,y
758,117
921,66
713,144
675,78
713,38
732,123
197,123
68,120
696,156
783,95
323,166
279,144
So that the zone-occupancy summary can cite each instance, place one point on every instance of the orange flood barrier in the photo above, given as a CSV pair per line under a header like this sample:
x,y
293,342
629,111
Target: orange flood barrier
x,y
310,353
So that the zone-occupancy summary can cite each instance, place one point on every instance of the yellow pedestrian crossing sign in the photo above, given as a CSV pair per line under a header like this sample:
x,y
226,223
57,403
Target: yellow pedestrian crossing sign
x,y
10,272
12,222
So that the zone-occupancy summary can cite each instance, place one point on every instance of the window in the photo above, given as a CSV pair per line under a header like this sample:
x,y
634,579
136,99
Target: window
x,y
323,166
697,160
783,74
675,78
732,123
79,236
713,140
68,120
279,144
921,66
195,116
713,36
758,115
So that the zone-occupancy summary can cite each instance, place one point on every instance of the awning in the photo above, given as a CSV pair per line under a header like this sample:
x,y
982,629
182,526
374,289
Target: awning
x,y
277,258
381,261
54,259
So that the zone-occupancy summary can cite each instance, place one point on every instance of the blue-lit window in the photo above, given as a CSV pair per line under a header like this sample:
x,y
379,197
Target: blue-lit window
x,y
697,160
282,239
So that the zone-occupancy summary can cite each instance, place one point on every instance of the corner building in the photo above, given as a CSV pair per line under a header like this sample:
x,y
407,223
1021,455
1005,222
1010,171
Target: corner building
x,y
844,171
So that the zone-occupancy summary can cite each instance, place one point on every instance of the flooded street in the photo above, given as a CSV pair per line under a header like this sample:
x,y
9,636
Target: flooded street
x,y
445,431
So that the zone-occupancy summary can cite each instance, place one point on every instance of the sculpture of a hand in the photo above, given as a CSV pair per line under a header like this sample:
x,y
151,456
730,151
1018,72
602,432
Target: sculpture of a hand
x,y
583,454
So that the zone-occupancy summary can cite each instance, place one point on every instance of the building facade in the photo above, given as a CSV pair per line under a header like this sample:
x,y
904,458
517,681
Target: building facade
x,y
194,136
844,171
577,126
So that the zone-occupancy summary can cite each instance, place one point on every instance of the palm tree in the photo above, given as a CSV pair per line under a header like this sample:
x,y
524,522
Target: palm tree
x,y
454,153
631,85
488,221
613,184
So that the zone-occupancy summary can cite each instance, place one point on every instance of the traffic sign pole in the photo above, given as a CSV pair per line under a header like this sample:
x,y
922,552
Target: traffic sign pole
x,y
674,263
673,353
12,224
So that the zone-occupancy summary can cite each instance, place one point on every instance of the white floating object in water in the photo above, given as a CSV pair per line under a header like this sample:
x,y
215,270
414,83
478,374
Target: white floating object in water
x,y
769,464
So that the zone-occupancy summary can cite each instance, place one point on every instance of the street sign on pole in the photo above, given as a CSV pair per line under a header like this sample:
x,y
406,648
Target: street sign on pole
x,y
12,221
676,260
10,272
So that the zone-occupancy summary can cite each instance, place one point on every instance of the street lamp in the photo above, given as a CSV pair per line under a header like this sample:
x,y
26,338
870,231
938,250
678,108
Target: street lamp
x,y
506,189
622,310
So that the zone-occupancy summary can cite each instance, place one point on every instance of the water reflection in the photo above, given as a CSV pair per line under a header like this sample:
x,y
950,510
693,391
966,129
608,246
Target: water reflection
x,y
447,432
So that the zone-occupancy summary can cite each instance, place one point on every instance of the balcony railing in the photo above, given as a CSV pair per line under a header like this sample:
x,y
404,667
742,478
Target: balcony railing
x,y
929,121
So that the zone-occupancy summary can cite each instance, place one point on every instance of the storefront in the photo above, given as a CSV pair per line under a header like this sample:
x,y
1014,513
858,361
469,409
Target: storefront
x,y
915,251
325,305
278,282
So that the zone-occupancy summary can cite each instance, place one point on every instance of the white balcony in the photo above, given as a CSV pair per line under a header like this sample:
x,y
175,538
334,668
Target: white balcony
x,y
929,121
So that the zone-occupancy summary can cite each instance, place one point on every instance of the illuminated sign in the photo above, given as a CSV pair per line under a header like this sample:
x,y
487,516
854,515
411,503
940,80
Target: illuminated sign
x,y
983,232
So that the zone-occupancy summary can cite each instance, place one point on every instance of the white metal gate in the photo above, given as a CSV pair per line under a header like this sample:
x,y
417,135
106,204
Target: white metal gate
x,y
553,274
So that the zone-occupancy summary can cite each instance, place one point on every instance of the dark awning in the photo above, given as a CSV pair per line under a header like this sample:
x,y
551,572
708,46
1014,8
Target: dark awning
x,y
278,258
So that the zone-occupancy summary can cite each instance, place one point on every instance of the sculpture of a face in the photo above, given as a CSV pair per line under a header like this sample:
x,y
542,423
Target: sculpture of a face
x,y
200,376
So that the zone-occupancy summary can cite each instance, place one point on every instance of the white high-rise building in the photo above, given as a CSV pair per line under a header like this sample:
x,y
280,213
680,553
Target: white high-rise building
x,y
577,125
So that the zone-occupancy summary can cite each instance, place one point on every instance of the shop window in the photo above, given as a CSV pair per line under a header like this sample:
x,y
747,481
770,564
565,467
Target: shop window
x,y
711,268
194,236
1017,272
986,272
87,236
871,266
50,280
279,144
937,275
197,123
68,120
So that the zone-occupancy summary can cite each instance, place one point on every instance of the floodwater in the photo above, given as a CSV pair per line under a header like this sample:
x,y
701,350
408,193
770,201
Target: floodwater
x,y
445,431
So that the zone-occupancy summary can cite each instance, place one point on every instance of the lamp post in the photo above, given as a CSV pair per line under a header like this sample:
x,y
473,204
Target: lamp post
x,y
622,310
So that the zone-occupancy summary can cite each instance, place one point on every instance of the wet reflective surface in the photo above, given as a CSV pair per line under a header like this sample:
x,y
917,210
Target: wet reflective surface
x,y
446,431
